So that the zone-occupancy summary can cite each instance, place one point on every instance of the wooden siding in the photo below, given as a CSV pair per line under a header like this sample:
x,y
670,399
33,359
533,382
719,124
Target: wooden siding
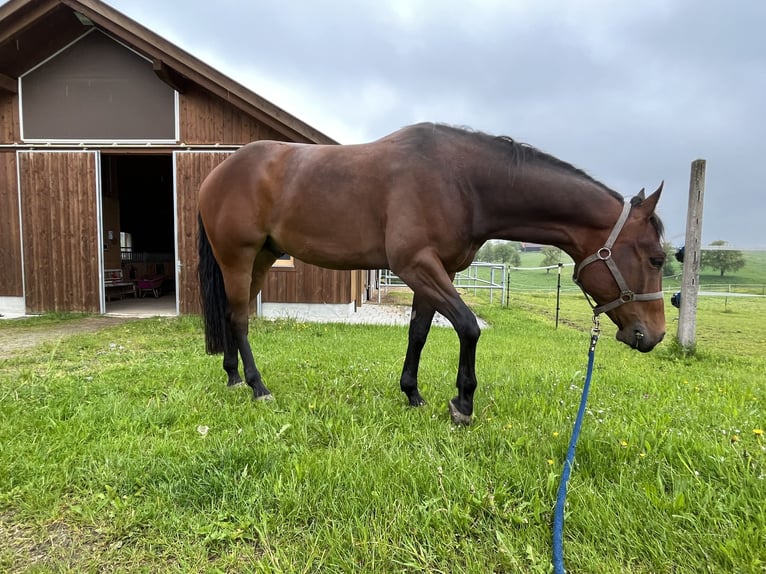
x,y
60,231
191,170
9,118
11,284
307,284
207,119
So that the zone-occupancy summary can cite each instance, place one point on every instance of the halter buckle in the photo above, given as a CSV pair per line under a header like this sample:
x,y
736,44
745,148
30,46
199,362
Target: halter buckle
x,y
627,296
606,251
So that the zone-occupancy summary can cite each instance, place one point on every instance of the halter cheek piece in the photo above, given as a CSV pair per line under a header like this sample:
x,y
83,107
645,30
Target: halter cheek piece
x,y
605,254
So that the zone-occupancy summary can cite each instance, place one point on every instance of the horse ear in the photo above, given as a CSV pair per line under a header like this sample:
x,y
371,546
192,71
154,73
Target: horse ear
x,y
642,194
650,203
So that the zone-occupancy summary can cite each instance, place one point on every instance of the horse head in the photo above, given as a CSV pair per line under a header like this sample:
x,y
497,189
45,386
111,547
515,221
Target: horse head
x,y
624,275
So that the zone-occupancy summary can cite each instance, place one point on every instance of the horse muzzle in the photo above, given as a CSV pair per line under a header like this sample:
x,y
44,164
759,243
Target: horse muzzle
x,y
639,338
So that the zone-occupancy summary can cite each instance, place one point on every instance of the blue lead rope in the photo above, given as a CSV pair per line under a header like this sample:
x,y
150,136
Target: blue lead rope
x,y
561,497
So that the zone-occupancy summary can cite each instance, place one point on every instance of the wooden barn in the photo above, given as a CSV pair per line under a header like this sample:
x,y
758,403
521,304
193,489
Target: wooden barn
x,y
106,132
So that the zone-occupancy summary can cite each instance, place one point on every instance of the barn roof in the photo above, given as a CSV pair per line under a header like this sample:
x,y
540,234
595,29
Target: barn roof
x,y
33,30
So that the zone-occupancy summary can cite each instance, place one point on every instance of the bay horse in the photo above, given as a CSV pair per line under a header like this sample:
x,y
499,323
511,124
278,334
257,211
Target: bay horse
x,y
420,201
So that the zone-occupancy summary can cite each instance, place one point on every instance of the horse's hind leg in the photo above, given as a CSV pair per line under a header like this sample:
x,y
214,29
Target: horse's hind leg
x,y
231,359
241,283
263,262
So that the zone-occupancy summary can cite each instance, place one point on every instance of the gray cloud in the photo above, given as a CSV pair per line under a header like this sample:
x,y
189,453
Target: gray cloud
x,y
631,92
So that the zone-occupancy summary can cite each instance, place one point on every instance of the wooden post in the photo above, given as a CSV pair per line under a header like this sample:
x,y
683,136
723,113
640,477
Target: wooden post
x,y
687,319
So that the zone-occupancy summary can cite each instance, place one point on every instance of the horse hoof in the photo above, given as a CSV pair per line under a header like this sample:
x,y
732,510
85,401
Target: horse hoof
x,y
234,384
268,397
417,402
458,418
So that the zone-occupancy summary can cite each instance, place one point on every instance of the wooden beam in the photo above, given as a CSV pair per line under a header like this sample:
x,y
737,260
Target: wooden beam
x,y
27,17
172,78
687,318
8,84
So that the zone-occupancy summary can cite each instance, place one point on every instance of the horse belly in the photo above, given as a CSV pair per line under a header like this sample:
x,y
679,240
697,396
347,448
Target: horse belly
x,y
329,237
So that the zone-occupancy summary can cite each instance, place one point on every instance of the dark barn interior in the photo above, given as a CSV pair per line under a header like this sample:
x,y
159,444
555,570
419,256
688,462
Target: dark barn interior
x,y
137,195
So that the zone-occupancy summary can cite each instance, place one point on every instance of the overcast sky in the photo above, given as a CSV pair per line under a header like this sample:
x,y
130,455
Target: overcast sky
x,y
631,92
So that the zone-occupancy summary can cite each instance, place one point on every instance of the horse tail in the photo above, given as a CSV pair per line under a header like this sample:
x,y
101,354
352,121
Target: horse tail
x,y
215,305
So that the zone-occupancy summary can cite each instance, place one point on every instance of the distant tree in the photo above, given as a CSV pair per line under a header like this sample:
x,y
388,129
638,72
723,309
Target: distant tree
x,y
722,260
486,252
508,252
669,268
551,256
499,252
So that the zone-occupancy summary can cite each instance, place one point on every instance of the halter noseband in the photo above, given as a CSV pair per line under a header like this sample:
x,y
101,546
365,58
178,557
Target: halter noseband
x,y
605,254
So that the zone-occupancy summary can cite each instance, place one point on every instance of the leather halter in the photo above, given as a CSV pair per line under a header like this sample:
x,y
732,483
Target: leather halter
x,y
605,254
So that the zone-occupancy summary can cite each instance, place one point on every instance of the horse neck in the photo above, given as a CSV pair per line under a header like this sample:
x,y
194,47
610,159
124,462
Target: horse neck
x,y
551,207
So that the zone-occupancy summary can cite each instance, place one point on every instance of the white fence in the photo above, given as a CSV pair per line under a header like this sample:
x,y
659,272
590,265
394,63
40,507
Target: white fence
x,y
484,276
491,277
499,280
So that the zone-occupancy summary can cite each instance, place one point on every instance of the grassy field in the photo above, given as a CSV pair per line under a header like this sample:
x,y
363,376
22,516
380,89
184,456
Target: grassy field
x,y
123,451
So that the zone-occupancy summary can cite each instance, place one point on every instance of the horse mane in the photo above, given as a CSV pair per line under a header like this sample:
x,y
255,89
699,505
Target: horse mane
x,y
521,153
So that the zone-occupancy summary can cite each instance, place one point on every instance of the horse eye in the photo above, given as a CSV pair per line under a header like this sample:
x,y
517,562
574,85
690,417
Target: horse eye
x,y
657,262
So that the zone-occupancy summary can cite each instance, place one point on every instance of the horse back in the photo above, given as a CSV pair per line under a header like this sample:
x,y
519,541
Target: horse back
x,y
342,207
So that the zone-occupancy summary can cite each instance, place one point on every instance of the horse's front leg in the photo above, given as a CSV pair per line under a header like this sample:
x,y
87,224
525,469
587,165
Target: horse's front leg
x,y
468,332
425,274
420,325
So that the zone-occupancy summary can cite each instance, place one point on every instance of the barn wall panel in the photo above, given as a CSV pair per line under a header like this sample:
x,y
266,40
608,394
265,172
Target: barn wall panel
x,y
60,231
9,118
307,284
191,170
11,284
207,119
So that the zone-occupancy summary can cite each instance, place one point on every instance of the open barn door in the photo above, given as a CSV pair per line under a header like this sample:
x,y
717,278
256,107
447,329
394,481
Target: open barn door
x,y
139,233
191,168
61,237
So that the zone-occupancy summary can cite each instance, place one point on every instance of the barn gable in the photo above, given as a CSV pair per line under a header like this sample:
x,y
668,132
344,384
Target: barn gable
x,y
96,90
88,99
33,30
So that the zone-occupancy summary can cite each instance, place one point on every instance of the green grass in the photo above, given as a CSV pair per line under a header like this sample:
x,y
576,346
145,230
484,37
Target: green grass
x,y
750,279
123,450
